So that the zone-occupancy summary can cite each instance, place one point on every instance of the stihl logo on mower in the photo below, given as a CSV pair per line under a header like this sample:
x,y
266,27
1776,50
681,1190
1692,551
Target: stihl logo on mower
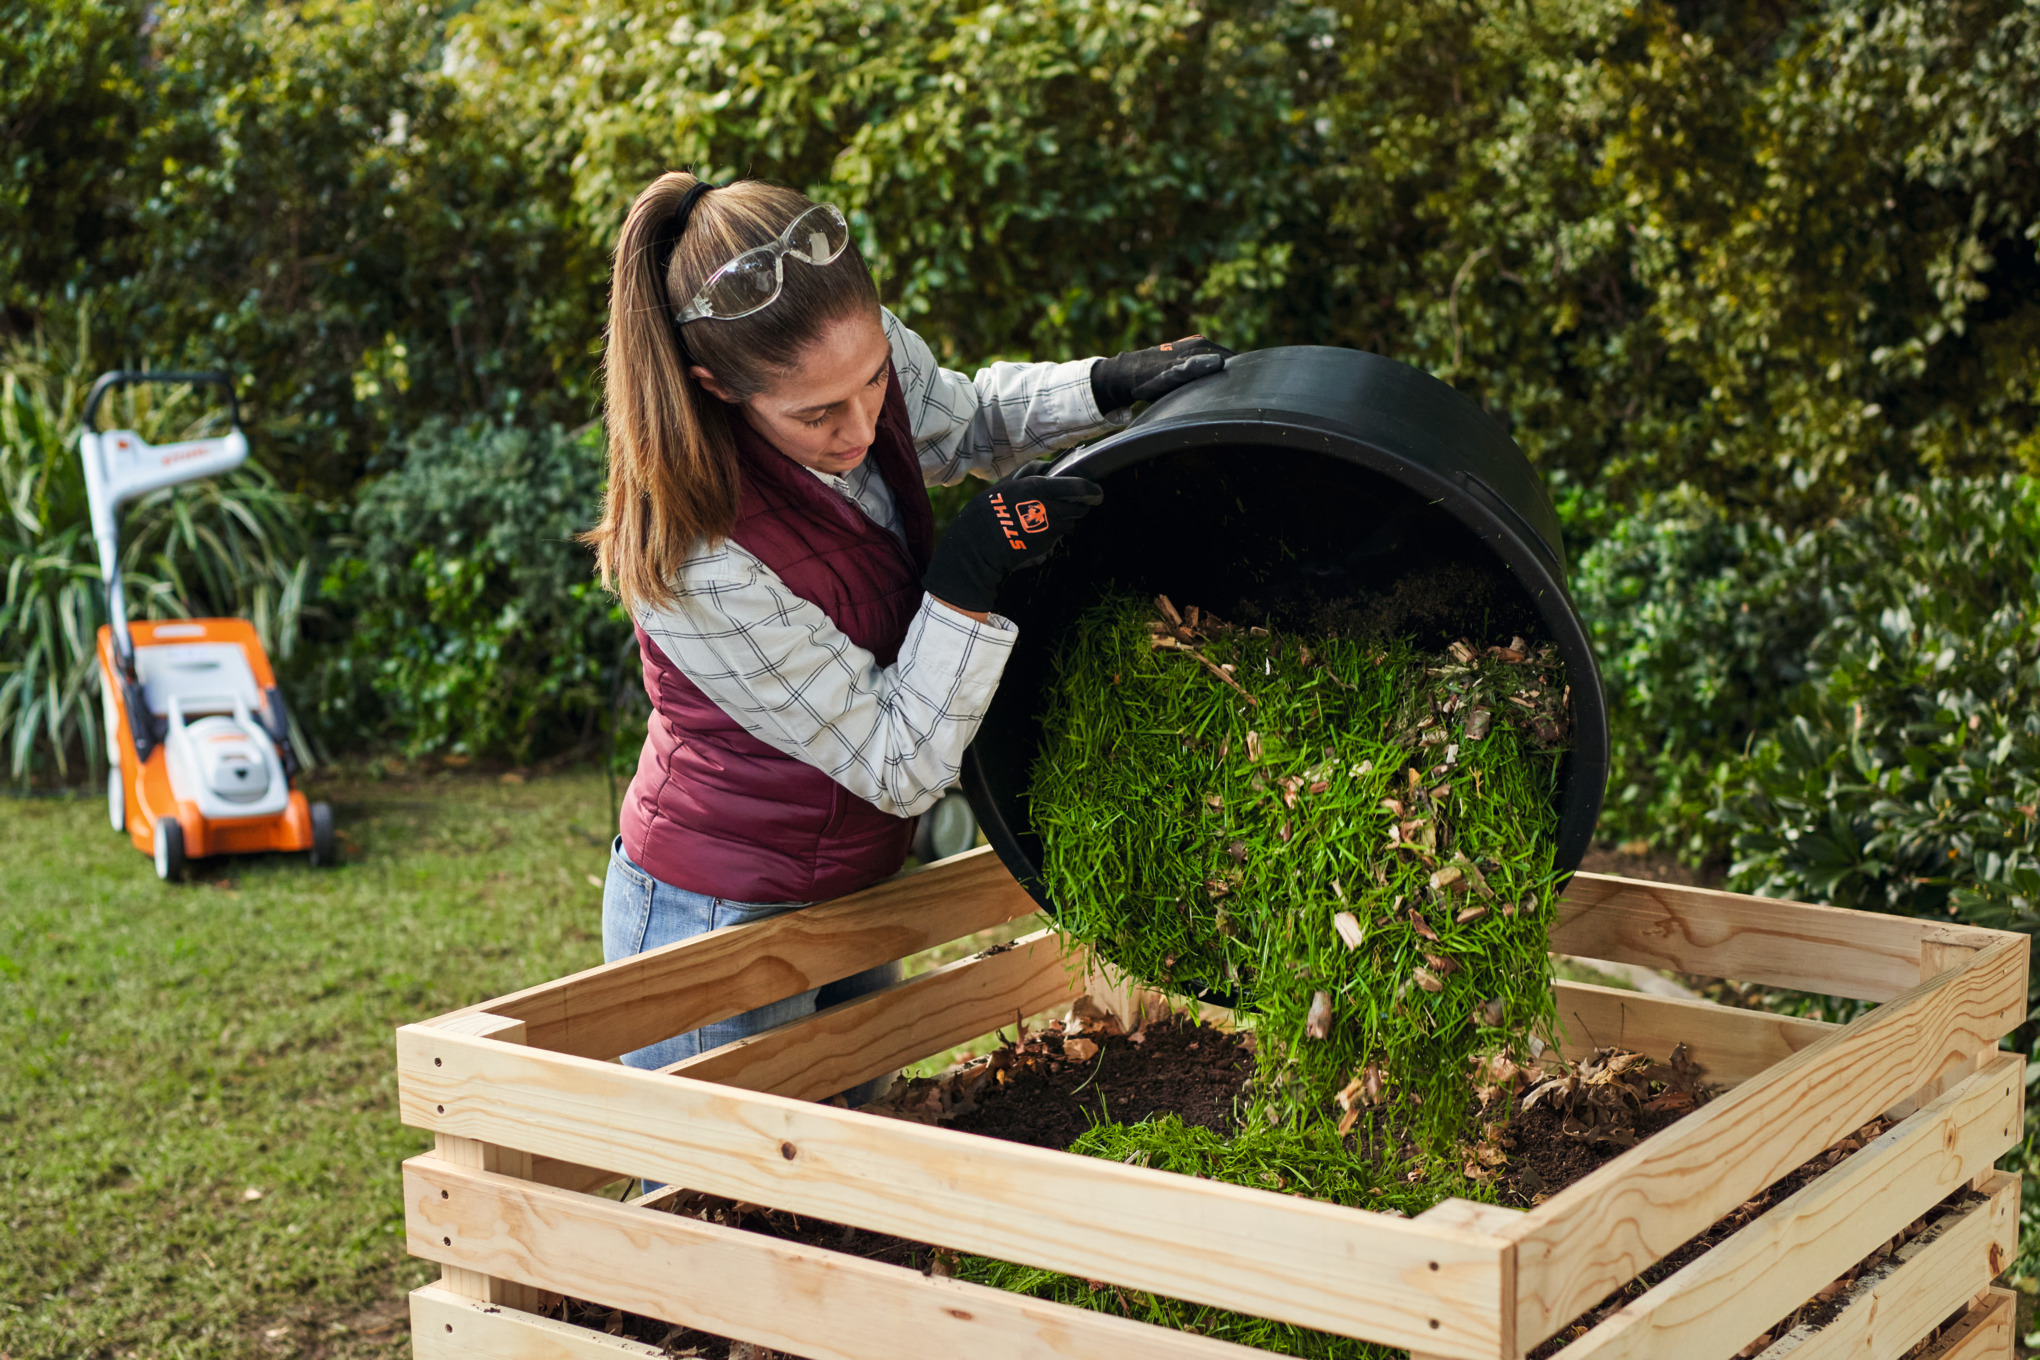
x,y
1006,526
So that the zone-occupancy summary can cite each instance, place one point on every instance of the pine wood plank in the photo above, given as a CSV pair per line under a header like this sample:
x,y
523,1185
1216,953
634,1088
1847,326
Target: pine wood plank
x,y
816,1056
606,1011
572,1175
1830,950
447,1326
805,1300
482,1156
1599,1233
1731,1045
1914,1290
1318,1265
1986,1334
1725,1299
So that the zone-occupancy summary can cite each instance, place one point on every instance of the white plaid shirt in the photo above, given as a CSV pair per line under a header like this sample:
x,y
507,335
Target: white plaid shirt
x,y
775,662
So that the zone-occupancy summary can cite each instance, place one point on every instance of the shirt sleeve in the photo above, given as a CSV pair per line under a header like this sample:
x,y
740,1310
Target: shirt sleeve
x,y
892,735
990,424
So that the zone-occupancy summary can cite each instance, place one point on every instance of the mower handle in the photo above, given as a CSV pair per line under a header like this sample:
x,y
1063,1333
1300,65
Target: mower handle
x,y
127,377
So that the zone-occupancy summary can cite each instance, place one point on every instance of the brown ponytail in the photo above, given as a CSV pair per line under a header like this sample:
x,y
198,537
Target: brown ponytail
x,y
673,472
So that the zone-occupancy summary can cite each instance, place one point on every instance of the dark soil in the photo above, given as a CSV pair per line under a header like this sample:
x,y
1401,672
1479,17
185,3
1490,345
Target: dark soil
x,y
1192,1071
1543,1160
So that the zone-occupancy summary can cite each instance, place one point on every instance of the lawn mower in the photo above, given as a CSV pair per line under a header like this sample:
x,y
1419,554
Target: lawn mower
x,y
197,736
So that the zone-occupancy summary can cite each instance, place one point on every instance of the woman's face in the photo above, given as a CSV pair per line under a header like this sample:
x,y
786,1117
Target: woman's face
x,y
822,412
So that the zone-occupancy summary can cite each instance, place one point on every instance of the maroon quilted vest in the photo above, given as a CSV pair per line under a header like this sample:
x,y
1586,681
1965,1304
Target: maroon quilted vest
x,y
715,810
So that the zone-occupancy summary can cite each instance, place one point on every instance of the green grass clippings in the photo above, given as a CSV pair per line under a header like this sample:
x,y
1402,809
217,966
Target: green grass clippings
x,y
1371,836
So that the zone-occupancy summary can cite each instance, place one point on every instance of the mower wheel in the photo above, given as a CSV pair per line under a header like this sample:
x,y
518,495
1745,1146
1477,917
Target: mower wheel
x,y
322,836
116,800
169,850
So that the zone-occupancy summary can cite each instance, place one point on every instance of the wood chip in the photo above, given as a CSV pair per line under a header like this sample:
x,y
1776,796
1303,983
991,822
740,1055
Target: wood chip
x,y
1470,915
1079,1050
1168,611
1349,928
1426,979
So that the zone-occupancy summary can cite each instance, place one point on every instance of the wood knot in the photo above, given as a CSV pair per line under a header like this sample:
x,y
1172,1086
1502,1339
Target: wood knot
x,y
788,1151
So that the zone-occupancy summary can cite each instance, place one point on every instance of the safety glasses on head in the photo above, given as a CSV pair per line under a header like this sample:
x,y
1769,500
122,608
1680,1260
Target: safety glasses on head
x,y
754,278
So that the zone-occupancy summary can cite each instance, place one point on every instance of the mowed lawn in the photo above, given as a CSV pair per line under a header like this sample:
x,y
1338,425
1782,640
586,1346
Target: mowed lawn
x,y
198,1137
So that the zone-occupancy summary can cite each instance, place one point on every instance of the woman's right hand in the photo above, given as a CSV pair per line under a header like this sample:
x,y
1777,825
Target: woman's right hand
x,y
1013,524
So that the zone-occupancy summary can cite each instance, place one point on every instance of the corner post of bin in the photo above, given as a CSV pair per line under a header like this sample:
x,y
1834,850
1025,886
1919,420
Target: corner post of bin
x,y
480,1156
1945,947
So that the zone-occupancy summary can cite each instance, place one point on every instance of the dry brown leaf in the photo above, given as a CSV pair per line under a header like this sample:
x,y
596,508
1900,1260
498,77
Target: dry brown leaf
x,y
1318,1024
1079,1050
1427,979
1254,747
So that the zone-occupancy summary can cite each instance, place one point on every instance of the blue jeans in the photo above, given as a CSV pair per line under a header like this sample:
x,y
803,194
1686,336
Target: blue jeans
x,y
639,912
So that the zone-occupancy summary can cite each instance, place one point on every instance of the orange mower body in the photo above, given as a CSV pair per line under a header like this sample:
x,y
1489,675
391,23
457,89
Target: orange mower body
x,y
204,665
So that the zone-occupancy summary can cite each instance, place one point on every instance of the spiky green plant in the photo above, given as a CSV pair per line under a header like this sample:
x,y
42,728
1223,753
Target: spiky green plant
x,y
232,545
1352,838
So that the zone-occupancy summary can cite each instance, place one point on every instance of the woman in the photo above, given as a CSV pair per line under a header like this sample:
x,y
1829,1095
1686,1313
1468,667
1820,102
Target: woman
x,y
816,662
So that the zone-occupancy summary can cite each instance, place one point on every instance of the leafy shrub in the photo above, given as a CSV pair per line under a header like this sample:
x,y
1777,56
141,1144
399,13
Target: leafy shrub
x,y
1701,621
1660,240
1906,775
477,626
232,545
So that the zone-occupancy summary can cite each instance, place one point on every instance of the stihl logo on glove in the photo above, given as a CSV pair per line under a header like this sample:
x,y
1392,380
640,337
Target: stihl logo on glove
x,y
1013,525
1013,539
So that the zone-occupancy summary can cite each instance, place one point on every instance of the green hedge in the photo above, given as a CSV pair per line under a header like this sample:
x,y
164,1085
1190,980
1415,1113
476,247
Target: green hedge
x,y
1775,251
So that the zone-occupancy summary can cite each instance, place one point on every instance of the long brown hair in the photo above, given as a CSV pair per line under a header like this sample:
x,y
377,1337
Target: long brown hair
x,y
673,472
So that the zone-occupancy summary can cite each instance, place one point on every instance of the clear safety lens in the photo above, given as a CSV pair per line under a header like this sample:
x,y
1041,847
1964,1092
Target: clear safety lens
x,y
752,280
745,284
817,235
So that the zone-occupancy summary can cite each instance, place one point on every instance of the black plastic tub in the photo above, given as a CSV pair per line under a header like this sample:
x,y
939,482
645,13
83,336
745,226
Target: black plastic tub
x,y
1312,488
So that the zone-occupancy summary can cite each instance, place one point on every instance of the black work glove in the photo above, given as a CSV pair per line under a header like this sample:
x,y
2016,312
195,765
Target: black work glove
x,y
1012,525
1144,374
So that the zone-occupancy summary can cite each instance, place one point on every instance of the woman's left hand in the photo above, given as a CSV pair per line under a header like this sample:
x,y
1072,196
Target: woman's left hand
x,y
1145,374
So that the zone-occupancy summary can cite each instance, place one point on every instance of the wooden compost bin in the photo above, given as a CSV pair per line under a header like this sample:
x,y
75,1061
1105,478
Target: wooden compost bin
x,y
532,1114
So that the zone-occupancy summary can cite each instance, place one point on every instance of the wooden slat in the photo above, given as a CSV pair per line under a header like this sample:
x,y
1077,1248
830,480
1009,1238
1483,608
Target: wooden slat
x,y
1985,1334
1835,952
811,1302
482,1156
1726,1298
1317,1265
1732,1045
572,1175
1599,1233
1915,1289
816,1056
445,1326
610,1010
